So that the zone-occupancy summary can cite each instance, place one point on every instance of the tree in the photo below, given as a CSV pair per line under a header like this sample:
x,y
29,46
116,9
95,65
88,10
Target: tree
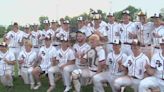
x,y
41,19
2,31
133,12
162,13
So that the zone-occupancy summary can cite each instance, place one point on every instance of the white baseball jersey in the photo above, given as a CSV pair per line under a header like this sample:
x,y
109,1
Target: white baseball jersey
x,y
3,65
14,38
35,37
112,62
125,30
86,30
136,65
45,33
160,31
62,34
46,54
100,56
157,62
145,31
28,57
102,30
112,30
80,50
64,56
102,24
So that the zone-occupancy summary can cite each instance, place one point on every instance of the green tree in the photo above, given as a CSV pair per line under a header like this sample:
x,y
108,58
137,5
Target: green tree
x,y
2,31
162,13
133,12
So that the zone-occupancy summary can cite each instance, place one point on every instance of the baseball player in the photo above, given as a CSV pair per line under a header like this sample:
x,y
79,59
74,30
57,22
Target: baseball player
x,y
65,65
35,38
135,65
144,32
158,31
114,61
156,71
64,30
95,60
97,29
46,31
7,62
82,27
113,31
128,32
46,57
14,40
26,59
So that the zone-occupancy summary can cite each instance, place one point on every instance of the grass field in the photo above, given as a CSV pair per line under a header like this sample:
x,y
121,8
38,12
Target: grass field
x,y
19,86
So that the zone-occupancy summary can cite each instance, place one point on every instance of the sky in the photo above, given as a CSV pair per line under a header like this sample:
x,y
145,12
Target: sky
x,y
28,11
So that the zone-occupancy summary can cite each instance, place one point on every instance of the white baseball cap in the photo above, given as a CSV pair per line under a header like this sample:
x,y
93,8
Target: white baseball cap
x,y
156,15
46,22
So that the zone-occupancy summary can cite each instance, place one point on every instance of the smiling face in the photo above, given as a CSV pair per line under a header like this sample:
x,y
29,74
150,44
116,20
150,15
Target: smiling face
x,y
80,37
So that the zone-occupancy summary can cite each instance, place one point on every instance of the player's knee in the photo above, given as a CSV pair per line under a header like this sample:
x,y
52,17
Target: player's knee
x,y
117,83
50,70
75,74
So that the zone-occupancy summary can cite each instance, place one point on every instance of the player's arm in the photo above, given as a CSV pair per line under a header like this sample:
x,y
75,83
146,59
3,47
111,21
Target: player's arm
x,y
101,66
10,62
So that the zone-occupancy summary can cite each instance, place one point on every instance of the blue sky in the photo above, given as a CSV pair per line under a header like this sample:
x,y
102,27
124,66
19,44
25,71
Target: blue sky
x,y
28,11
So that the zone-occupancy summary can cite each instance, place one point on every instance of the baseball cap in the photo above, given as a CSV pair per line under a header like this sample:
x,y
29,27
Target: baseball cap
x,y
27,26
66,22
126,12
46,22
116,42
80,18
110,14
80,32
54,21
156,15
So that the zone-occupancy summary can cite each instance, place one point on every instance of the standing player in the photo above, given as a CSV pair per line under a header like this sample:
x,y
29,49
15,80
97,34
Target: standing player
x,y
113,31
7,61
14,40
64,30
46,31
46,57
145,29
114,61
82,27
135,64
128,30
158,31
95,60
35,38
26,59
156,71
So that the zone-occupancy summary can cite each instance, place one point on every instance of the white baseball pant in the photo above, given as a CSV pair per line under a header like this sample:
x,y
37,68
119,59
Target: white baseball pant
x,y
51,71
150,83
27,76
104,77
126,81
78,74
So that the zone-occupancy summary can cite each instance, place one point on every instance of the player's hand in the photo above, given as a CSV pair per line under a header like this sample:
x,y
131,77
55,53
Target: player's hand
x,y
6,61
21,61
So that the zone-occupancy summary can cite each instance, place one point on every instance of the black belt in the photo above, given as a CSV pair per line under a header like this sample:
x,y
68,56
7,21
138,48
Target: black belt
x,y
55,45
157,47
126,43
35,47
134,77
145,45
94,70
25,67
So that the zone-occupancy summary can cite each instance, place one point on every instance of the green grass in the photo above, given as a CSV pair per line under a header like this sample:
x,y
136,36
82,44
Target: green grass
x,y
19,86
